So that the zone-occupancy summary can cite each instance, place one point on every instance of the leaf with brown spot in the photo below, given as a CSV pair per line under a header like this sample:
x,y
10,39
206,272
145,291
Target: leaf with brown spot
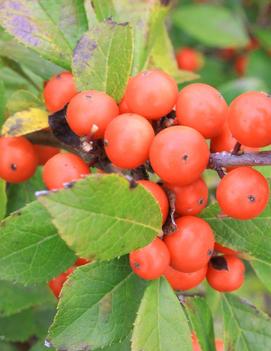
x,y
25,122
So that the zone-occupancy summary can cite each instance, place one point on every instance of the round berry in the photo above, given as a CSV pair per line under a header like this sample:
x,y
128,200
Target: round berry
x,y
219,344
189,59
190,199
89,113
58,91
185,281
159,194
151,261
250,119
203,108
225,250
63,168
226,142
18,160
179,155
191,246
225,273
44,153
243,193
152,94
128,139
57,283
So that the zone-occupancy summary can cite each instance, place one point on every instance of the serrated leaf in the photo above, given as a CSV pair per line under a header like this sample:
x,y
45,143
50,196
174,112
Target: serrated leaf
x,y
102,217
245,327
25,122
15,298
31,251
161,324
18,327
252,237
263,272
145,17
3,199
103,58
22,193
124,345
22,100
92,304
201,320
30,24
163,57
212,25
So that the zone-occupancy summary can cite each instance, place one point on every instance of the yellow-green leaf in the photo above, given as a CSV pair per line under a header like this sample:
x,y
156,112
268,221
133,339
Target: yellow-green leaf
x,y
25,122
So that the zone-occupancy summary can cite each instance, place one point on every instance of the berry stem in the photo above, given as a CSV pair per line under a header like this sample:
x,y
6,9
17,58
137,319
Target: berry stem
x,y
224,159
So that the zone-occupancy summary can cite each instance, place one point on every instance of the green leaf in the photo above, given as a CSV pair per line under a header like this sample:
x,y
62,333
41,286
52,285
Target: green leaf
x,y
163,57
252,237
43,316
259,66
22,100
31,251
212,25
15,298
103,9
263,271
2,102
21,194
18,327
124,345
201,320
263,35
161,323
30,24
39,346
97,307
246,328
8,347
11,49
146,18
102,217
234,88
103,58
3,199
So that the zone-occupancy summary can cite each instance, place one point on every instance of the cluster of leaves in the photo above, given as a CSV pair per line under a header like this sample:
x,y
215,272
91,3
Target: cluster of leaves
x,y
104,305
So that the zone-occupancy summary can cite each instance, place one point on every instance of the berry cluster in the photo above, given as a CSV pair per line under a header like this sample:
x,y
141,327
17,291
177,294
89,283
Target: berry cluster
x,y
178,154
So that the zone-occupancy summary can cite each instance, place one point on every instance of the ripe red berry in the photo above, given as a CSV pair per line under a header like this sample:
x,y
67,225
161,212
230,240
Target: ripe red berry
x,y
179,155
203,108
18,160
227,53
250,119
56,284
185,281
89,113
190,199
151,261
225,250
189,59
152,94
159,194
226,142
225,273
63,168
243,193
44,153
58,91
219,344
128,139
196,346
240,65
191,246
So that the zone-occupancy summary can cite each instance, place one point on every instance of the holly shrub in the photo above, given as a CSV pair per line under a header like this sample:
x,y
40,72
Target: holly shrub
x,y
134,175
